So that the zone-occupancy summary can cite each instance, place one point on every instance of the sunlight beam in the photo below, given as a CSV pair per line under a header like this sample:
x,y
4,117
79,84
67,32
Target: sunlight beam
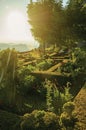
x,y
17,28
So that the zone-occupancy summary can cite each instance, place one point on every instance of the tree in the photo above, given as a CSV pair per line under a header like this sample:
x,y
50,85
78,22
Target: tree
x,y
76,19
53,24
47,21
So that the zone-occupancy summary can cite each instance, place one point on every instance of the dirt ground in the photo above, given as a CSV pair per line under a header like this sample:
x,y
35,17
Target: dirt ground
x,y
80,101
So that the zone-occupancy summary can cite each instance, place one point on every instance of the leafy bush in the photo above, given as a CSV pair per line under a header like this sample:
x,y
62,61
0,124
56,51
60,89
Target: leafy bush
x,y
56,99
77,64
25,70
27,83
44,65
40,120
51,121
68,117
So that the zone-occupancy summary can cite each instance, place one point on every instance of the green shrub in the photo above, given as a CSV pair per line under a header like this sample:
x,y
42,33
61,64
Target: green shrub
x,y
68,117
49,95
27,84
55,99
77,64
51,121
40,120
44,65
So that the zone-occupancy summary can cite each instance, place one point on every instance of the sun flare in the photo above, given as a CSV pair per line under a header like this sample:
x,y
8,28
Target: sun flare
x,y
17,27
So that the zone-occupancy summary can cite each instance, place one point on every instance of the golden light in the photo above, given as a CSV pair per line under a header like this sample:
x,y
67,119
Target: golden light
x,y
17,27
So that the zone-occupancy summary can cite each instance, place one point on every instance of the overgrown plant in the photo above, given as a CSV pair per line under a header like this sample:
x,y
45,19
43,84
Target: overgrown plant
x,y
49,95
56,99
77,64
44,65
40,120
68,118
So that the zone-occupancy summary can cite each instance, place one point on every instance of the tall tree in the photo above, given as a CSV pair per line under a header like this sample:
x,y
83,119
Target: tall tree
x,y
76,19
54,24
46,18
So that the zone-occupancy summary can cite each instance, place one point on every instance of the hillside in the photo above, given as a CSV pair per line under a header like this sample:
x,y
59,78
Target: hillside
x,y
21,47
36,86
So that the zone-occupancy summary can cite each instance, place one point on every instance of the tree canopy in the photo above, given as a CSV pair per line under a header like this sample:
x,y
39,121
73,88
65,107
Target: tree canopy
x,y
54,24
76,19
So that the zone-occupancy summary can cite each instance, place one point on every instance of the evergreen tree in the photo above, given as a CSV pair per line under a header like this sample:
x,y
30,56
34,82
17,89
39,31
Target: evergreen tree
x,y
47,20
76,19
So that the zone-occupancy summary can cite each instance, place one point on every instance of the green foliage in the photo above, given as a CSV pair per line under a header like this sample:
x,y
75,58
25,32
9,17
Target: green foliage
x,y
40,120
69,107
47,16
77,65
49,94
9,121
76,15
25,70
8,65
27,84
59,25
60,98
56,99
22,92
79,59
44,65
68,118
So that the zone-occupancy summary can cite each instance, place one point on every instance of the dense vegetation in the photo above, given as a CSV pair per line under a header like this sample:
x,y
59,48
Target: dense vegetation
x,y
53,24
21,87
36,88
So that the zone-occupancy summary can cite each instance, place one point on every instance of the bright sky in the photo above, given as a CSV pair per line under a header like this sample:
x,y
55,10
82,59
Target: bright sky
x,y
13,21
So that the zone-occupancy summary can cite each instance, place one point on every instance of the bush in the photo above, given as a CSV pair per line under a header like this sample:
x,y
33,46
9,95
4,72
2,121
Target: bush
x,y
51,121
77,65
56,99
26,83
44,65
40,120
68,117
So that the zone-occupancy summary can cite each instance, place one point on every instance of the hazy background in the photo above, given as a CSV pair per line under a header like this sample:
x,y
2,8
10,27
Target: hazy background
x,y
14,28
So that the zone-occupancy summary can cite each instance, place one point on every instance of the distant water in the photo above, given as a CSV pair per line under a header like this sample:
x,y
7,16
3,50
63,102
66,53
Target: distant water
x,y
19,46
